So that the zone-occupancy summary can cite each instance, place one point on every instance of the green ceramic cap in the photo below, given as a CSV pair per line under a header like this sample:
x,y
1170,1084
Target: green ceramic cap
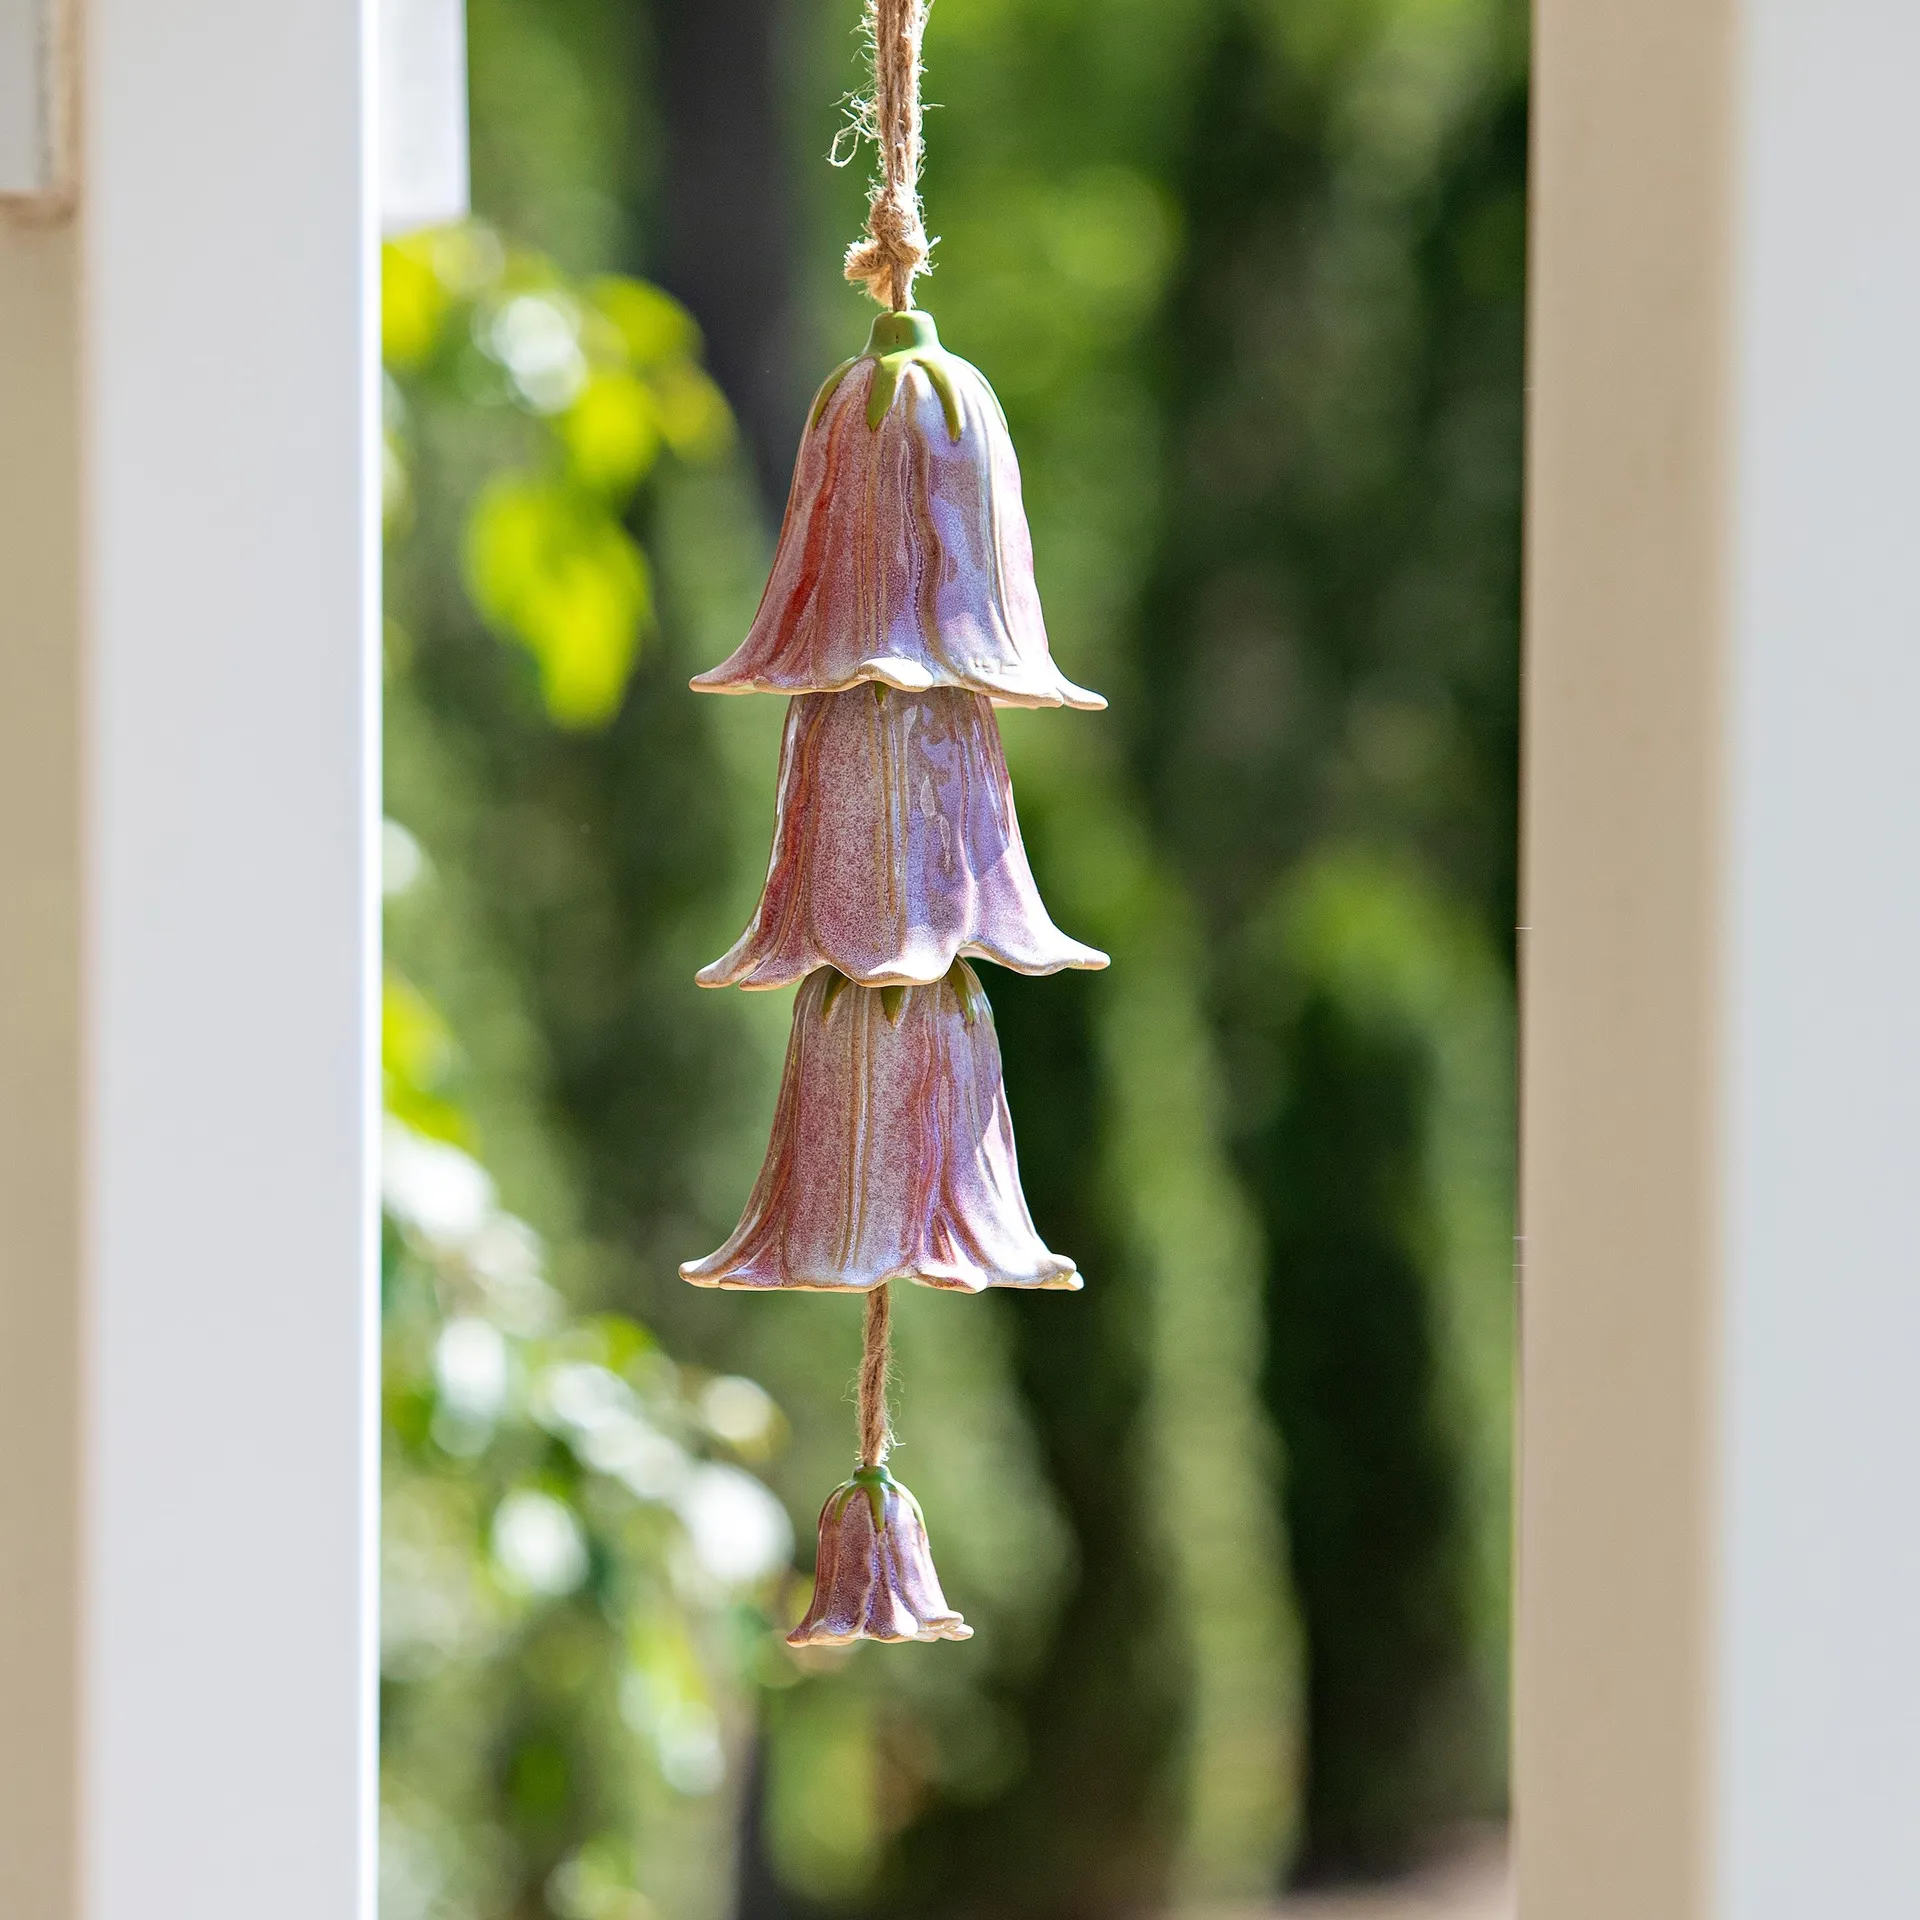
x,y
893,331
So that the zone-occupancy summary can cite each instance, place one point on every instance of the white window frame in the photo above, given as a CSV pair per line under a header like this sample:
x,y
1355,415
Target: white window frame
x,y
1717,1673
189,492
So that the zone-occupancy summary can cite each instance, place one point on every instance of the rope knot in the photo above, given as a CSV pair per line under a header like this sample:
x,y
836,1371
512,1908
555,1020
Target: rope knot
x,y
896,247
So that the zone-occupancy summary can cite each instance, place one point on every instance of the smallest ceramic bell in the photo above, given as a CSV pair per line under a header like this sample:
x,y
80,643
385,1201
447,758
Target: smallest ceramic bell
x,y
874,1577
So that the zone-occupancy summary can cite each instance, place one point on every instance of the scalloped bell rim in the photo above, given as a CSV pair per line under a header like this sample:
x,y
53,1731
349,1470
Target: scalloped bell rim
x,y
949,1627
1068,1282
906,676
1085,960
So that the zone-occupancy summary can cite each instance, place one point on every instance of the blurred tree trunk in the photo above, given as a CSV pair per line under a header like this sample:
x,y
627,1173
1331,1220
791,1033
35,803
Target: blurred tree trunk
x,y
1373,1494
1331,634
1087,1830
728,211
757,1892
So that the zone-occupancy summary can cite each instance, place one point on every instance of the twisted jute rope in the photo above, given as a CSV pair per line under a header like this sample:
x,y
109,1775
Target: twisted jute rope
x,y
896,246
876,1431
885,263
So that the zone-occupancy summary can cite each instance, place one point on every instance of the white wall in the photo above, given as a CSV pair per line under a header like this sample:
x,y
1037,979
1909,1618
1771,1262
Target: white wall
x,y
1718,1670
1820,1433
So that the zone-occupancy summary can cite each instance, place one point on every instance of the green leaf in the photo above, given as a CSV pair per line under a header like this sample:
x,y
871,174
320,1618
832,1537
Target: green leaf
x,y
418,1056
654,326
551,568
413,303
612,432
693,412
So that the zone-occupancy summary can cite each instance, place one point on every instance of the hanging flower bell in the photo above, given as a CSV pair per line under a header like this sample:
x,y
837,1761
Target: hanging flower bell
x,y
874,1578
901,609
904,556
895,849
892,1153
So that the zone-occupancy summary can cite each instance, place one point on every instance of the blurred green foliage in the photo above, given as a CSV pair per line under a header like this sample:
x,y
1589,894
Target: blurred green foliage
x,y
578,1564
1329,623
1232,1524
576,1561
609,369
1377,1131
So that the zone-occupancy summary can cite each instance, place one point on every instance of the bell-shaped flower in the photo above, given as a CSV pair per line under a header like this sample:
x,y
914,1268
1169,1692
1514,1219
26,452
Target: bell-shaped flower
x,y
892,1151
874,1578
904,556
895,849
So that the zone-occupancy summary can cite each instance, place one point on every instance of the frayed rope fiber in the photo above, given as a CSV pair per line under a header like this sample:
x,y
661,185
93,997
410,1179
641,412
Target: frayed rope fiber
x,y
896,246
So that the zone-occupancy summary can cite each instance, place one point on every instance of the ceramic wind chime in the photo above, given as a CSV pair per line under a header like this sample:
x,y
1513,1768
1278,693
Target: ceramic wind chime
x,y
900,612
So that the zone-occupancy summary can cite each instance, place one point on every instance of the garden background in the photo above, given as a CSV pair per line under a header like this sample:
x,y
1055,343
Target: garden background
x,y
1232,1525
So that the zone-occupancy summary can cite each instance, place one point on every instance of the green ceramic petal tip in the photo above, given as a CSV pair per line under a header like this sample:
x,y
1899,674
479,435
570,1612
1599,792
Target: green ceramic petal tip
x,y
827,390
899,341
875,1483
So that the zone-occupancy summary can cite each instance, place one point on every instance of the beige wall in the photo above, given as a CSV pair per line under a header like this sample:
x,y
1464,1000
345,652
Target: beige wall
x,y
1622,907
39,1070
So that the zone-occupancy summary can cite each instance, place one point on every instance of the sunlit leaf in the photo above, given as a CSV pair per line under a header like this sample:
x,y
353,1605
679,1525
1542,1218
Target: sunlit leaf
x,y
693,413
654,326
612,432
468,257
414,303
418,1057
553,570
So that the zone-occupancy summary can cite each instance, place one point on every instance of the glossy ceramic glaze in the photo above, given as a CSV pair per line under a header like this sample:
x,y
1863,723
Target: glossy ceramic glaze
x,y
892,1153
874,1578
904,556
895,849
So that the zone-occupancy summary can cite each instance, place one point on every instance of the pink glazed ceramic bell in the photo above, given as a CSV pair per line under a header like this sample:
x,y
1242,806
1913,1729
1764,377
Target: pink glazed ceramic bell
x,y
901,609
904,556
892,1153
895,849
874,1577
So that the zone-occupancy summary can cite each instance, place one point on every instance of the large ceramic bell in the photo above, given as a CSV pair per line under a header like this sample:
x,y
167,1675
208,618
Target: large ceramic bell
x,y
892,1152
895,849
904,556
